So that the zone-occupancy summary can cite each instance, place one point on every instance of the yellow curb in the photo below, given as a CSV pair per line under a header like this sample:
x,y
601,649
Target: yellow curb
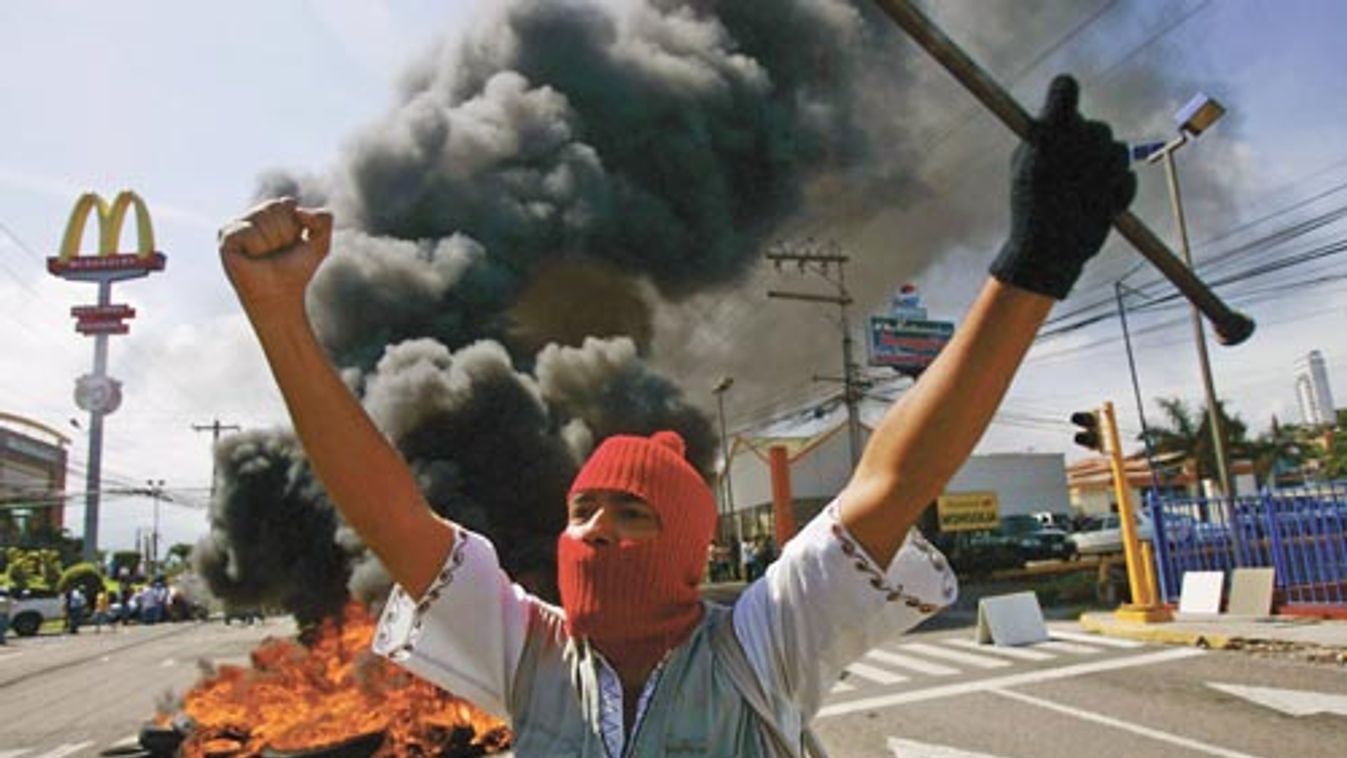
x,y
1156,633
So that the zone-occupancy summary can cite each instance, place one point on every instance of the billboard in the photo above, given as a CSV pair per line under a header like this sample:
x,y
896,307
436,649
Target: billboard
x,y
968,511
908,345
109,265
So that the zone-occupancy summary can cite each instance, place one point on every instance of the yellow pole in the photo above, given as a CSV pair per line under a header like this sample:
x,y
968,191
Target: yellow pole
x,y
1143,607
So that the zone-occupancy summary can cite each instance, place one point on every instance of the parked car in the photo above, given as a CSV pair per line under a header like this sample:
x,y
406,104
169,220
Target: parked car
x,y
32,608
1034,540
1103,534
978,553
1053,520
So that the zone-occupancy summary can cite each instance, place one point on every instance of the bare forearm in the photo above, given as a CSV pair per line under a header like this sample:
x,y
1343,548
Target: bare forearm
x,y
928,434
362,473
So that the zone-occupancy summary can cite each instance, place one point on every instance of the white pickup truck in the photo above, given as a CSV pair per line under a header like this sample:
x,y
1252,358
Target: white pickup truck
x,y
32,608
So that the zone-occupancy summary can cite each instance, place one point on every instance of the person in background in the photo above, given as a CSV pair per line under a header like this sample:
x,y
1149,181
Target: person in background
x,y
102,609
75,606
633,662
6,605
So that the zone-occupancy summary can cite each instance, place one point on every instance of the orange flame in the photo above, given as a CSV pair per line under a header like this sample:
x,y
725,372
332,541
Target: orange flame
x,y
302,698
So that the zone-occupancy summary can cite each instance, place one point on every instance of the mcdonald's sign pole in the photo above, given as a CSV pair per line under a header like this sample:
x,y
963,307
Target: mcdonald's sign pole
x,y
98,393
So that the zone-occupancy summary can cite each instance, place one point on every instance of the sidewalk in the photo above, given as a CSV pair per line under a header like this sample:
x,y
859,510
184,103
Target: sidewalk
x,y
1228,632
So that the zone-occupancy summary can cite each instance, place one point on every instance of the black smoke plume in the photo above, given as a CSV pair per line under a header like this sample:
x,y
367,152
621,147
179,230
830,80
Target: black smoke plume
x,y
558,201
504,232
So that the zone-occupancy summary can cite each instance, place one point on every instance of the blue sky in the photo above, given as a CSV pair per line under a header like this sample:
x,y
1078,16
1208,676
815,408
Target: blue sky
x,y
188,103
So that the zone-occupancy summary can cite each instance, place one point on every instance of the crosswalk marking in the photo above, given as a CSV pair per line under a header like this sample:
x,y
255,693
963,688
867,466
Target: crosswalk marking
x,y
64,750
909,662
1022,653
954,656
1067,647
1096,639
875,674
1005,681
980,661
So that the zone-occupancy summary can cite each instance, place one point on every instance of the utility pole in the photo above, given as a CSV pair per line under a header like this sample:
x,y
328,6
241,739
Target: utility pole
x,y
156,492
726,483
215,428
821,259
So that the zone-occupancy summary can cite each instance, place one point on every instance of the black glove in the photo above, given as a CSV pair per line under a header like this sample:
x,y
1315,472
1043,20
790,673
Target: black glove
x,y
1069,181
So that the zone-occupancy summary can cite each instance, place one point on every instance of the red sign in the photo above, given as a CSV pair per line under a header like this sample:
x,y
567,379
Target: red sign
x,y
102,327
102,312
114,262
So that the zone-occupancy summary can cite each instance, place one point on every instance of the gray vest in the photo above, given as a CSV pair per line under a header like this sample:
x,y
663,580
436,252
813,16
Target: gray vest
x,y
694,710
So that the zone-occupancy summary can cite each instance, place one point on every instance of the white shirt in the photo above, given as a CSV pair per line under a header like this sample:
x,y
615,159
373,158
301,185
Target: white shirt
x,y
822,605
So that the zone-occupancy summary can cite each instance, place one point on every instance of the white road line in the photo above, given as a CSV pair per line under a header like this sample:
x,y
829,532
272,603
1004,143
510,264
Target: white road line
x,y
1095,639
839,687
1022,653
914,664
914,749
980,661
876,675
1008,680
1067,647
1144,731
65,750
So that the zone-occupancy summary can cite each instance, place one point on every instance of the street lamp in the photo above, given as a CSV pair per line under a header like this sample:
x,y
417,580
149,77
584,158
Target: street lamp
x,y
156,492
727,497
1194,118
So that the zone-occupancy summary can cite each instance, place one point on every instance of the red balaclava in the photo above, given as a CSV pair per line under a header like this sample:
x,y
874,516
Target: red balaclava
x,y
636,600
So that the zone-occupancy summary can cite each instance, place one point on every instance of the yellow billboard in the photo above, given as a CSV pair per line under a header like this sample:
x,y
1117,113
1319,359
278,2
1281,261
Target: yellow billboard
x,y
968,511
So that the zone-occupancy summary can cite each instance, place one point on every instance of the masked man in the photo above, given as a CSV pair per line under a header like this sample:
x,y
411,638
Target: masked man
x,y
633,663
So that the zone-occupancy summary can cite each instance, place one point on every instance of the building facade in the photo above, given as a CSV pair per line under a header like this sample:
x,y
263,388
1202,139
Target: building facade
x,y
1312,391
32,478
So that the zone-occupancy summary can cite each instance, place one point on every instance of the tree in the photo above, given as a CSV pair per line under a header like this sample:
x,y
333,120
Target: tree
x,y
86,576
179,554
1188,432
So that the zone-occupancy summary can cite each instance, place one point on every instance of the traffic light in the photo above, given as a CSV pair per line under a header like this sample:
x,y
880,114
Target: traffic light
x,y
1089,435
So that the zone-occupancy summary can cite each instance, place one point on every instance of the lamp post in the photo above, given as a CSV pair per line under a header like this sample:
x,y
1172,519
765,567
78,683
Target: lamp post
x,y
727,490
1194,118
156,492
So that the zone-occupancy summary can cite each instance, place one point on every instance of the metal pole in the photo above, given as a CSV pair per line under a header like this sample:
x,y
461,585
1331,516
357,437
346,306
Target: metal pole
x,y
1199,333
154,534
1143,607
93,477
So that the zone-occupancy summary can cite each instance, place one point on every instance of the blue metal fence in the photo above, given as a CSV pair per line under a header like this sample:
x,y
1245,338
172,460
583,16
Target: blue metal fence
x,y
1300,533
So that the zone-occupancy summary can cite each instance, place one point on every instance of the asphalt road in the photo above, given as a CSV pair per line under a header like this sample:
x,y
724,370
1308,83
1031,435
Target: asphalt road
x,y
1082,695
72,696
924,695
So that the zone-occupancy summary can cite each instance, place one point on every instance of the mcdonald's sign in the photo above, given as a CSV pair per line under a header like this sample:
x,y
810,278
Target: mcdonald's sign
x,y
109,265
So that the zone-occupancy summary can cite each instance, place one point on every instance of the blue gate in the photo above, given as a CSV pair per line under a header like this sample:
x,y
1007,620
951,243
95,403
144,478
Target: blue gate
x,y
1301,533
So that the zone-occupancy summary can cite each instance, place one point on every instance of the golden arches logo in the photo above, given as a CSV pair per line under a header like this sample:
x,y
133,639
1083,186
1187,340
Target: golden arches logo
x,y
111,218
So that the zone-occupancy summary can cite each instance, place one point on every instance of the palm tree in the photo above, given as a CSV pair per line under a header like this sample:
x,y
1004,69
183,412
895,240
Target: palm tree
x,y
1185,431
1279,451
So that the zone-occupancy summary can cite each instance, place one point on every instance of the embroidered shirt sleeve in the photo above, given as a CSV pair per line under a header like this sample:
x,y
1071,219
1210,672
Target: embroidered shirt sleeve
x,y
826,602
466,633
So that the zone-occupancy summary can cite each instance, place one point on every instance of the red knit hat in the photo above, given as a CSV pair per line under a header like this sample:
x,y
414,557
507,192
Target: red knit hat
x,y
635,601
654,469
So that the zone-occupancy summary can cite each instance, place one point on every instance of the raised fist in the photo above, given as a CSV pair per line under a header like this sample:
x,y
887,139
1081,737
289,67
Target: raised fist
x,y
271,252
